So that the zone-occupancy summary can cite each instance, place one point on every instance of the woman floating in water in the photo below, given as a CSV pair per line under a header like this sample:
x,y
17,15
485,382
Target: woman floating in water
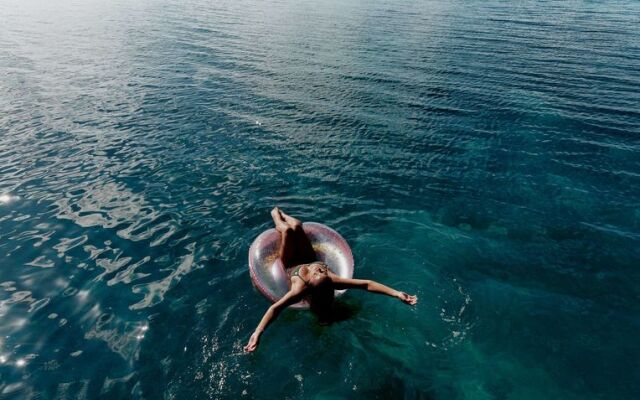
x,y
310,279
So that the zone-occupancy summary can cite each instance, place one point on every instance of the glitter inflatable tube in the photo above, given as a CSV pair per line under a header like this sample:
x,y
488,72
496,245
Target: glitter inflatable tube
x,y
268,273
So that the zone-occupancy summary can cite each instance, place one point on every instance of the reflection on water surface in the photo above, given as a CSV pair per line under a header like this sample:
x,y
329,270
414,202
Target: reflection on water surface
x,y
483,155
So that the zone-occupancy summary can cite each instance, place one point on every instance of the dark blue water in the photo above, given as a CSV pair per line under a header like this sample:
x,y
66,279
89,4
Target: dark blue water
x,y
482,154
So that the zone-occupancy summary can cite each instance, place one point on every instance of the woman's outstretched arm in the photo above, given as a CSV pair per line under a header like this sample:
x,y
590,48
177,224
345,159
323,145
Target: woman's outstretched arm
x,y
373,287
293,296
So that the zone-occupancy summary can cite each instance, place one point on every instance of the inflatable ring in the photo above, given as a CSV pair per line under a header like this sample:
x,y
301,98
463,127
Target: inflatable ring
x,y
268,273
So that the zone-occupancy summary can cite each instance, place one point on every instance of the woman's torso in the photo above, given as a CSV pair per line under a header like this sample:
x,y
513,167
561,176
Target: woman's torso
x,y
301,271
320,297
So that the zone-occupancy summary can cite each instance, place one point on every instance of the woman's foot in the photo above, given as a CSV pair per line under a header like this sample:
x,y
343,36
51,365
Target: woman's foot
x,y
280,223
292,222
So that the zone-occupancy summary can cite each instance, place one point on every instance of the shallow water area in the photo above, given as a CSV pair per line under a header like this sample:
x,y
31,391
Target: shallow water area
x,y
483,155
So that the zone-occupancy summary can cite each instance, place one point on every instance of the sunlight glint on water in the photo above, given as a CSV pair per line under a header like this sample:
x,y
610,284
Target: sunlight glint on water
x,y
483,155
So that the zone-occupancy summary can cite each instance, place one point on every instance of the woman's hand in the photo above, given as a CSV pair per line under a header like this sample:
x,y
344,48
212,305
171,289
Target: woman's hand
x,y
292,296
406,298
253,342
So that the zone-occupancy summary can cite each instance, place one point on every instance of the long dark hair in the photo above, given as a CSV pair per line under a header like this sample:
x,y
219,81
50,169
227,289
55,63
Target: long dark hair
x,y
321,296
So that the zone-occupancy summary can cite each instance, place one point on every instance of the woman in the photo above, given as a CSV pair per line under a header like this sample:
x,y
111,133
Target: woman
x,y
310,279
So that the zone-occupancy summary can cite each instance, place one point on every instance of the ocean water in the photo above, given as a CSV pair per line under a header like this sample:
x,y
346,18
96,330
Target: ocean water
x,y
484,155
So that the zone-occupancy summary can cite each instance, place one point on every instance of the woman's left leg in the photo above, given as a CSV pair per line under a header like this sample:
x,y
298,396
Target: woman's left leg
x,y
295,247
304,250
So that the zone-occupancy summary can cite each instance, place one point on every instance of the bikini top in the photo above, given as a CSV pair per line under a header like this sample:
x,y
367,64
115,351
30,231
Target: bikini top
x,y
296,271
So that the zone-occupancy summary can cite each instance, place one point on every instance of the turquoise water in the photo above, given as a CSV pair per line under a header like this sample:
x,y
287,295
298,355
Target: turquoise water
x,y
484,155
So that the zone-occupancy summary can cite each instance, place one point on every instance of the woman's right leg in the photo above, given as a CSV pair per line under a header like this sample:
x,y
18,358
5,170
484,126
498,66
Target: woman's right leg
x,y
295,247
304,250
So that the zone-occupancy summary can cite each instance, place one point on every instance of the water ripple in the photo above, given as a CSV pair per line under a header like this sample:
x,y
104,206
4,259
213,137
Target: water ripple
x,y
491,147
